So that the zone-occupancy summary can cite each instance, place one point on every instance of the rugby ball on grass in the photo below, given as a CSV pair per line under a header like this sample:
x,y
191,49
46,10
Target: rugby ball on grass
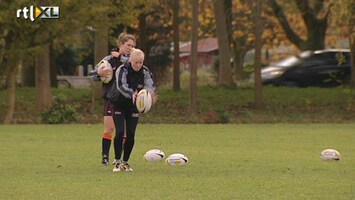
x,y
330,154
154,155
104,64
144,101
177,159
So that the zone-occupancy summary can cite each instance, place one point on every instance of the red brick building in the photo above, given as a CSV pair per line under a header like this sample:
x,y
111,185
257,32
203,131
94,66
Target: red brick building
x,y
207,49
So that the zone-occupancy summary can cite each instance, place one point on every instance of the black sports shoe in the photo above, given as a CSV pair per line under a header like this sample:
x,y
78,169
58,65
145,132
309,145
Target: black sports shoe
x,y
105,161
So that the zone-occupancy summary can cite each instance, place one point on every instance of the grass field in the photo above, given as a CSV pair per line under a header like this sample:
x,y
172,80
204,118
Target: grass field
x,y
254,161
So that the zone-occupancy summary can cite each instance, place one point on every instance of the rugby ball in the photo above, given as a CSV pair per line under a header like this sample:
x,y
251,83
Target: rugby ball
x,y
144,101
177,159
330,154
103,65
154,155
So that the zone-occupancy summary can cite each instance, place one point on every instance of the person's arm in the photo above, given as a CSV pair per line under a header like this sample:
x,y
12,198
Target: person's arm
x,y
148,80
121,82
149,84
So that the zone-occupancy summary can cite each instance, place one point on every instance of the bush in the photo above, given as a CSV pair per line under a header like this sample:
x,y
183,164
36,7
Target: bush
x,y
61,112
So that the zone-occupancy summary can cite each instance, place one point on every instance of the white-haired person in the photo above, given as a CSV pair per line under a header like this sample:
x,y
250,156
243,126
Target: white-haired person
x,y
118,56
131,77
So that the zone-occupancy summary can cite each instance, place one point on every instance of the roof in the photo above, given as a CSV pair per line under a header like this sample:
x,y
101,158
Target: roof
x,y
203,45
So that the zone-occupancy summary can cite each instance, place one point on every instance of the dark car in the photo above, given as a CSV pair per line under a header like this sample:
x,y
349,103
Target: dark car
x,y
321,68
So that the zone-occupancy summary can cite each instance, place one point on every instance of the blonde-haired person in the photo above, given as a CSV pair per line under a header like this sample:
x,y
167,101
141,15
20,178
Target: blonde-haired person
x,y
120,55
131,77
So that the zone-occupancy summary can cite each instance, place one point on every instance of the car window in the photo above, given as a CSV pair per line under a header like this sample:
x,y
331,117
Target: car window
x,y
308,59
315,59
329,58
342,58
326,58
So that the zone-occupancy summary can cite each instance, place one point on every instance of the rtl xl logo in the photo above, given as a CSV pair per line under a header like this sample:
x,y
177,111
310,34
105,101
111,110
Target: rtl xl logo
x,y
42,12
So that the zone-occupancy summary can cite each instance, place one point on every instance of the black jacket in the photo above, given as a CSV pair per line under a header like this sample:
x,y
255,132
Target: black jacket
x,y
115,63
129,81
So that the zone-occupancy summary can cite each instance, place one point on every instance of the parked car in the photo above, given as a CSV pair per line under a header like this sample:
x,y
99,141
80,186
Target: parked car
x,y
322,68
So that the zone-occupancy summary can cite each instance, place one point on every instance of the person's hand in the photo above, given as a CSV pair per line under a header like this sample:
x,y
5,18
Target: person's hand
x,y
154,97
115,54
134,96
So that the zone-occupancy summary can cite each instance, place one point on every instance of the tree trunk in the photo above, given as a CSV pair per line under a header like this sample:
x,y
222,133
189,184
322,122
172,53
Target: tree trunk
x,y
239,51
53,67
143,37
176,73
225,69
351,30
11,92
235,54
10,63
28,73
239,66
100,51
352,43
258,47
43,84
228,5
193,66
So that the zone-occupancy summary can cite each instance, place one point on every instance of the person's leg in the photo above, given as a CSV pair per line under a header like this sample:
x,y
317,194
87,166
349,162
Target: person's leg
x,y
109,127
119,122
131,123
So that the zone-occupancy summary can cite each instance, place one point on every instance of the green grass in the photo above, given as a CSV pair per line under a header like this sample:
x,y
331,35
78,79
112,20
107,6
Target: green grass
x,y
273,161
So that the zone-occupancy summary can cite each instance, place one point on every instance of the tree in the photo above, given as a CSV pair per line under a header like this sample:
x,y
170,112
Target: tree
x,y
11,94
176,71
241,34
14,49
155,34
100,51
258,48
351,26
25,39
193,67
225,69
207,25
43,83
314,15
344,14
11,73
